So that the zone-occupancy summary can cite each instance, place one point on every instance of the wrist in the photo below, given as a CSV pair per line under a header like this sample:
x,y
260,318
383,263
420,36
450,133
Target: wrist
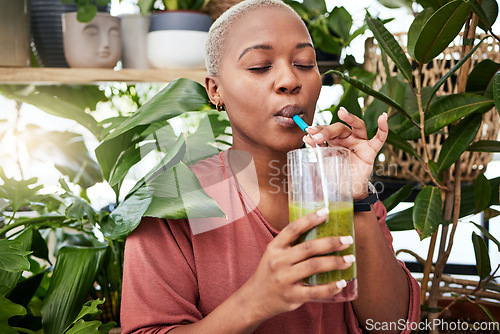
x,y
366,199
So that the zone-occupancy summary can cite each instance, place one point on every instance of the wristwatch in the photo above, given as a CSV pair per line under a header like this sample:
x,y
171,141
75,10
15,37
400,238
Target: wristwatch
x,y
366,203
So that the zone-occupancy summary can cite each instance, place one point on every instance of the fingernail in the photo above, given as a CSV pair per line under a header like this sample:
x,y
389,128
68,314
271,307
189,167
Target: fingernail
x,y
318,137
341,284
349,258
311,128
322,212
304,139
344,110
346,240
385,115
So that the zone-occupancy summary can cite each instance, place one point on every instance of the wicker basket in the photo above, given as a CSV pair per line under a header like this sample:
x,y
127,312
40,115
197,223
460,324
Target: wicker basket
x,y
400,164
215,8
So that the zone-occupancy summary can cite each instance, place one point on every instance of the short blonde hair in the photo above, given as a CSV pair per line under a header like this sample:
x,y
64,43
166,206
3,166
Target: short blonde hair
x,y
220,29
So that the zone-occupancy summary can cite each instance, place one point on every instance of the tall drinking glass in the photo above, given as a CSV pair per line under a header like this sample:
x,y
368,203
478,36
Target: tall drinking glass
x,y
321,177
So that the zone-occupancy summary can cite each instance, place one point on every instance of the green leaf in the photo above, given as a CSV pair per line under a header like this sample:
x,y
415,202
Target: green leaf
x,y
482,193
401,144
18,193
316,6
455,68
86,13
180,96
467,204
441,28
81,210
390,46
178,195
447,110
482,258
39,246
8,309
90,310
173,156
26,289
481,76
484,146
13,256
340,22
71,281
62,101
496,90
10,278
488,235
146,6
401,220
88,327
487,13
403,193
367,89
396,3
458,140
415,29
127,216
427,212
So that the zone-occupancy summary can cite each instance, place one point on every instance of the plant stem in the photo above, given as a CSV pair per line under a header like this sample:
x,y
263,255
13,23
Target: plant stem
x,y
32,221
427,268
16,132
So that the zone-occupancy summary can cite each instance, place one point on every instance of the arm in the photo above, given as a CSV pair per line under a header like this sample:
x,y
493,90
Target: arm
x,y
160,291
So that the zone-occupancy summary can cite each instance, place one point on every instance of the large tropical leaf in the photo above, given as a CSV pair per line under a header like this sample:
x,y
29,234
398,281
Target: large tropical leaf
x,y
488,235
71,281
447,110
127,216
467,201
8,309
180,96
390,46
458,140
440,29
65,101
485,146
401,220
179,195
427,212
402,144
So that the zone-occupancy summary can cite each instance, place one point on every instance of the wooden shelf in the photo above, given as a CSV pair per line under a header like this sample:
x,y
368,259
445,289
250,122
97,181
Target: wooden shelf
x,y
46,76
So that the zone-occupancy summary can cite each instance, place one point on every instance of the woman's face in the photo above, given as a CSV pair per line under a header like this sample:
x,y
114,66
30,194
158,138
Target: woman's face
x,y
268,73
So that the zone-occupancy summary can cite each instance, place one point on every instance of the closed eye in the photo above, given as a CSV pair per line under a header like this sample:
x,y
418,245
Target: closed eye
x,y
308,67
259,69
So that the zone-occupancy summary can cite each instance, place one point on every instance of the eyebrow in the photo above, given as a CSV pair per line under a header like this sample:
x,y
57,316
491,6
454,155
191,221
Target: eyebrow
x,y
268,47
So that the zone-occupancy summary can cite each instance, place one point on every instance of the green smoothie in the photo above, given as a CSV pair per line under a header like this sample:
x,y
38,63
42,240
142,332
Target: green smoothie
x,y
339,223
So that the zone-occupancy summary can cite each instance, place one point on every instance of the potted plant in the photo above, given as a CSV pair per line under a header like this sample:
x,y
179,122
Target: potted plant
x,y
417,112
177,33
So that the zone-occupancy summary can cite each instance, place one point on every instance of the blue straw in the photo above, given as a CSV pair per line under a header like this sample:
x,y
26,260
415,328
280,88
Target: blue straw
x,y
300,122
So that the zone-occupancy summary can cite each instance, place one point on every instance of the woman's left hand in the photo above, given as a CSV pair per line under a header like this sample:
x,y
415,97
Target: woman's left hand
x,y
363,151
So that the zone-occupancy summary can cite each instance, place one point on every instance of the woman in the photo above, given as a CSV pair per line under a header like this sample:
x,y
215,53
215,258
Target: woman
x,y
242,274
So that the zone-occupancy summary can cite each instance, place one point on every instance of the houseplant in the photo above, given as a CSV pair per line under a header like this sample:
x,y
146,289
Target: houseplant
x,y
177,33
416,112
34,296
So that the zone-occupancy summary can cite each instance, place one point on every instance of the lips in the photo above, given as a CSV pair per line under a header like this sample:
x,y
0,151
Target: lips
x,y
284,116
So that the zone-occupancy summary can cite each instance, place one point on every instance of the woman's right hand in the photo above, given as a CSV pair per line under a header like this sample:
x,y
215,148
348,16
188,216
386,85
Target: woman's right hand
x,y
277,284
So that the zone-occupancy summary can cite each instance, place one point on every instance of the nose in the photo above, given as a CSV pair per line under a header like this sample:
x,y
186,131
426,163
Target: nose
x,y
287,81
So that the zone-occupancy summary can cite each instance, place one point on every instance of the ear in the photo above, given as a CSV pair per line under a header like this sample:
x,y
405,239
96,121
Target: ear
x,y
212,88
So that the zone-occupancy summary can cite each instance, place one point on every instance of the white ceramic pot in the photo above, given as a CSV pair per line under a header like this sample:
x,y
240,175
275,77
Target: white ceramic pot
x,y
177,39
96,44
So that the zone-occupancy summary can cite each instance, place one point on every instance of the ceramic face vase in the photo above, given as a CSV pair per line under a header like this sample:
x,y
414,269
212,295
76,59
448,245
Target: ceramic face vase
x,y
96,44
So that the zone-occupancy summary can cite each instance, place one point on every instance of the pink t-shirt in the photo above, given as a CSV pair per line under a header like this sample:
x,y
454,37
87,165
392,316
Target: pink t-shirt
x,y
178,271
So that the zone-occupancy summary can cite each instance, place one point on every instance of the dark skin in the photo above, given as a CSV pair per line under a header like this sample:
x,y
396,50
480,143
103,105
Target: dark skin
x,y
259,75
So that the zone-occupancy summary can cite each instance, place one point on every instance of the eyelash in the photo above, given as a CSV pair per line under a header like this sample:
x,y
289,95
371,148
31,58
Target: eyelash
x,y
265,68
